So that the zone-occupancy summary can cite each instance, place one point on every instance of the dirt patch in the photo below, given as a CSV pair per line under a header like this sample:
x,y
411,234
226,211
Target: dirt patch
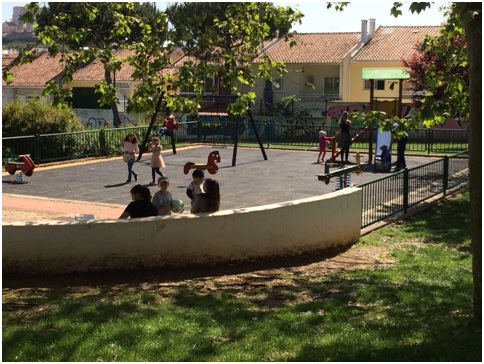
x,y
15,215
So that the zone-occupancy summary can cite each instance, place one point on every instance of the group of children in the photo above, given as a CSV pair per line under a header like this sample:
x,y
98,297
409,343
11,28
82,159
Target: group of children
x,y
204,193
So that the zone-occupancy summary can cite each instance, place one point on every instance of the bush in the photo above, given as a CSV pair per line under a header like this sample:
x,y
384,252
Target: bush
x,y
32,117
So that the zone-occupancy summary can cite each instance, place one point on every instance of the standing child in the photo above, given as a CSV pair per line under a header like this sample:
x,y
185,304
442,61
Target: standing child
x,y
322,145
163,197
157,161
195,187
130,147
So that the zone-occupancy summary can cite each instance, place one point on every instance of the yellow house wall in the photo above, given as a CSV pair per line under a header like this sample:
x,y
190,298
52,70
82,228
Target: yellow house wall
x,y
295,80
294,227
355,85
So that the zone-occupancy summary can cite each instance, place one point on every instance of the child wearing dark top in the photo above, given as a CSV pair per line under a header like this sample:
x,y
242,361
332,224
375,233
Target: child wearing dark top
x,y
141,205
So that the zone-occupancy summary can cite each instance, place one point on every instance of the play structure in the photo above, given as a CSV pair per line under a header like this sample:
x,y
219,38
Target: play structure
x,y
143,146
25,166
344,174
211,166
390,107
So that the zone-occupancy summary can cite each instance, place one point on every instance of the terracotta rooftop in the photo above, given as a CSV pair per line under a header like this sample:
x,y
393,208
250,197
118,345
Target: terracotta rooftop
x,y
36,74
94,71
394,43
314,48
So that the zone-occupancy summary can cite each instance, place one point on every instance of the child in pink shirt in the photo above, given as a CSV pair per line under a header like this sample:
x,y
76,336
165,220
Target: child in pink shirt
x,y
322,145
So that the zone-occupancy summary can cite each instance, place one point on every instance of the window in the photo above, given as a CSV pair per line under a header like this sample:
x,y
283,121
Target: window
x,y
210,86
278,85
331,86
379,85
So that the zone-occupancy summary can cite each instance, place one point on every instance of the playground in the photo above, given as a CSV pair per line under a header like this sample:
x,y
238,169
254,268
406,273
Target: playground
x,y
246,180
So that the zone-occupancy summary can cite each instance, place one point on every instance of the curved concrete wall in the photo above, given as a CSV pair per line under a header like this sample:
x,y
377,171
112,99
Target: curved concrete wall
x,y
312,224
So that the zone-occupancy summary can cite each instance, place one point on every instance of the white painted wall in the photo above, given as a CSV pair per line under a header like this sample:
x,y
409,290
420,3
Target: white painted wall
x,y
300,226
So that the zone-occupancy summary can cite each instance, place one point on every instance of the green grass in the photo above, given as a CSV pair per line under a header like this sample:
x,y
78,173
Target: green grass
x,y
417,309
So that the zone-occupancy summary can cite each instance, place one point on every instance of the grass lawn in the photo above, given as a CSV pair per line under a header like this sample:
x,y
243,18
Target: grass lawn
x,y
417,306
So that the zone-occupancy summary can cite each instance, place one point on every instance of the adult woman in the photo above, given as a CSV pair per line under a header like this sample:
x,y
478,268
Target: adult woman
x,y
130,148
209,201
141,205
344,126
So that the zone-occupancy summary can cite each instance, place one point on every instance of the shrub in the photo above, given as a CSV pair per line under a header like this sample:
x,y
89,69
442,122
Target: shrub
x,y
32,117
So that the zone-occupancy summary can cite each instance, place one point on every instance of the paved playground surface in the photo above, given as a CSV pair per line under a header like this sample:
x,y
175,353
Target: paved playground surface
x,y
246,179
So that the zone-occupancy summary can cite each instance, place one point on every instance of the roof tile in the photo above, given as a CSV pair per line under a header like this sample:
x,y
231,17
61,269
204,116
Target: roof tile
x,y
37,73
394,43
314,48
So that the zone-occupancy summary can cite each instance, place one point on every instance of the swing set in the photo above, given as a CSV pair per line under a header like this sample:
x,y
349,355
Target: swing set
x,y
143,146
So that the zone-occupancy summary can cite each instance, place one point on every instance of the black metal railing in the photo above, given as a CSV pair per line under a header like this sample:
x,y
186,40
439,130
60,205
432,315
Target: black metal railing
x,y
297,133
398,191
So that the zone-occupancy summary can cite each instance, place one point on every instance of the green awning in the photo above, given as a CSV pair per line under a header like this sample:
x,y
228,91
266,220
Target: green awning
x,y
384,73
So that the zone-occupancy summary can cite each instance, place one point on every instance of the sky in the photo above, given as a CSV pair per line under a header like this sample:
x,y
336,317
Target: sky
x,y
318,19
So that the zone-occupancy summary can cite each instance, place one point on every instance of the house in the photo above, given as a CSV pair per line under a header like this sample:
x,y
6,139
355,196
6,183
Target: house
x,y
85,100
314,69
324,71
383,55
30,79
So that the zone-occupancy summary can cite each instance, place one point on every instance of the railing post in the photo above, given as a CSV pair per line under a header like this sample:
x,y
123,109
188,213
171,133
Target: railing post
x,y
405,189
199,130
37,149
102,141
446,175
428,145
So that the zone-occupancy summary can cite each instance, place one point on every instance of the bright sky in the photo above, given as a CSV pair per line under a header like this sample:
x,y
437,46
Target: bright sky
x,y
318,19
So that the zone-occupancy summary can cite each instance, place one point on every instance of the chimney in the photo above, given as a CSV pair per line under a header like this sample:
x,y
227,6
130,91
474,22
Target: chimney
x,y
363,31
371,32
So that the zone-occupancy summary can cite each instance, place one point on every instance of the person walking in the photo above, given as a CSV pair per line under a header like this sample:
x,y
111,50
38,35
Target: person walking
x,y
130,148
209,201
344,126
141,205
156,161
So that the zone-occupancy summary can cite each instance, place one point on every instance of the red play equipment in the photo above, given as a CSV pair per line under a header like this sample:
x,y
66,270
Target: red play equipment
x,y
27,165
211,166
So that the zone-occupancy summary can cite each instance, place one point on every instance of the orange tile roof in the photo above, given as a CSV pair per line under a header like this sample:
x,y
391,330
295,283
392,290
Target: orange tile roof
x,y
94,71
314,48
394,43
37,73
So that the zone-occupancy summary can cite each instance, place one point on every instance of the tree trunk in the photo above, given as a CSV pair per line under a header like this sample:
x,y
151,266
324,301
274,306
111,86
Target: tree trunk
x,y
114,106
473,30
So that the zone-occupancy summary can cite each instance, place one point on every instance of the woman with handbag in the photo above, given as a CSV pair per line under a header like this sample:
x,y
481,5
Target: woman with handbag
x,y
130,148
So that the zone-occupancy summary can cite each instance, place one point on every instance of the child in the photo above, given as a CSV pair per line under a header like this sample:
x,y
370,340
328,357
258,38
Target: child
x,y
322,145
130,147
169,125
141,205
157,161
209,201
163,197
386,158
195,187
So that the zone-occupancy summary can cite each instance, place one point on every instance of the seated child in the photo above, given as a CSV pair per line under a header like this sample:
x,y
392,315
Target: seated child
x,y
195,187
386,158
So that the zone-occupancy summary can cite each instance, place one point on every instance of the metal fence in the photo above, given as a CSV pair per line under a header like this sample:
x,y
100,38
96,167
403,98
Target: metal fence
x,y
399,191
45,148
304,133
